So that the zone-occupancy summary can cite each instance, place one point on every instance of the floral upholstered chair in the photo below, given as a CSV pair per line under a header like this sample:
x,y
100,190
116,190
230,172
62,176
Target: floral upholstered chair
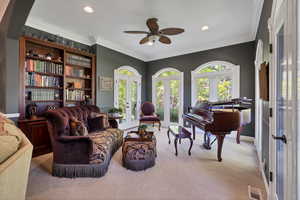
x,y
148,115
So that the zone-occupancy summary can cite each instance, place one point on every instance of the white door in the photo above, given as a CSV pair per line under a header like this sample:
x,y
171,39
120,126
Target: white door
x,y
167,96
127,96
282,142
258,101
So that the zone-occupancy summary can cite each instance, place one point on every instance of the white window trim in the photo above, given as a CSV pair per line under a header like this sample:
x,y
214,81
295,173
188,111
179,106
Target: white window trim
x,y
234,72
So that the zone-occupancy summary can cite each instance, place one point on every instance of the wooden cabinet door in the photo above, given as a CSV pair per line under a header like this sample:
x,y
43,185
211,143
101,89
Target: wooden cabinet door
x,y
37,133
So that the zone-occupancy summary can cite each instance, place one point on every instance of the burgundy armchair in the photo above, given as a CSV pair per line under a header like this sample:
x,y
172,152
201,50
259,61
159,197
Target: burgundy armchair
x,y
148,115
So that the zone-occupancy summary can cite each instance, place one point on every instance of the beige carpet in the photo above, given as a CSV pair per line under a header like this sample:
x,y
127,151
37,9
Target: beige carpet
x,y
195,177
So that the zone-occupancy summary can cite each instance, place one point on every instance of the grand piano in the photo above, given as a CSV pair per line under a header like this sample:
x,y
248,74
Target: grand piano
x,y
217,119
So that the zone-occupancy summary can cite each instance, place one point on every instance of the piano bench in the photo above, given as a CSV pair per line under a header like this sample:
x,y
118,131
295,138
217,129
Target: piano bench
x,y
179,133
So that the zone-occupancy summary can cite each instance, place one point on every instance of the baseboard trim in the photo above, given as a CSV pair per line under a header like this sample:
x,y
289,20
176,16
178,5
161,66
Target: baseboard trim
x,y
262,171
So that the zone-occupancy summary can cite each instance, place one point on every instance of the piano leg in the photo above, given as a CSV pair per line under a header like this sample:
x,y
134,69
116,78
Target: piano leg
x,y
194,132
220,139
207,144
238,141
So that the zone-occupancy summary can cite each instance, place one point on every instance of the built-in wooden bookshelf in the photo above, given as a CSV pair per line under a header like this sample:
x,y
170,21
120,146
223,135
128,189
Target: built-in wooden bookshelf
x,y
54,75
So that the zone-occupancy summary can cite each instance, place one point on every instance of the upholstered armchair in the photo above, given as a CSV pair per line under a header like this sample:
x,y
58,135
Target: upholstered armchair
x,y
148,115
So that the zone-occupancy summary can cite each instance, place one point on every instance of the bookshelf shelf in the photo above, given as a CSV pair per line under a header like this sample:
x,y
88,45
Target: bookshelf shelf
x,y
74,101
77,77
44,59
49,79
79,66
84,89
48,74
42,87
43,101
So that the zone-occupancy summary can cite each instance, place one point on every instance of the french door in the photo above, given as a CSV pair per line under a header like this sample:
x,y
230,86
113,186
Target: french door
x,y
283,97
167,96
127,97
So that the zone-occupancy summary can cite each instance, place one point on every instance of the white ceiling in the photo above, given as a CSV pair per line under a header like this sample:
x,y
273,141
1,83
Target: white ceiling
x,y
229,21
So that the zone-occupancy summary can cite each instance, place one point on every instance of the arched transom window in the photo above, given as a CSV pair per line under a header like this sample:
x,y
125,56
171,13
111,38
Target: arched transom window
x,y
215,81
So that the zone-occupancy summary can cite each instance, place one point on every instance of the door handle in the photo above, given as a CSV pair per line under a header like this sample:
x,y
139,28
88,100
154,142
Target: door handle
x,y
282,138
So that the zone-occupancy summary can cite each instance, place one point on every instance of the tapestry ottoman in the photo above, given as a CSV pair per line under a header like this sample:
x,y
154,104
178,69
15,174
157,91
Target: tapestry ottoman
x,y
139,153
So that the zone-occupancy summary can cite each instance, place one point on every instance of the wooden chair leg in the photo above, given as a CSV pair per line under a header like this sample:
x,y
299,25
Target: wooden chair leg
x,y
194,132
191,145
175,144
168,133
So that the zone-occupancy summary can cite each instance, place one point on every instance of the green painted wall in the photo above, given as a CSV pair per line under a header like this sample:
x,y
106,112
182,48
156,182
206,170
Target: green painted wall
x,y
240,54
107,61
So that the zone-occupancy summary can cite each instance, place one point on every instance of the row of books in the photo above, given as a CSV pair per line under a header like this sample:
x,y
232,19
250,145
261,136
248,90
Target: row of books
x,y
43,66
78,60
75,95
33,79
71,71
42,95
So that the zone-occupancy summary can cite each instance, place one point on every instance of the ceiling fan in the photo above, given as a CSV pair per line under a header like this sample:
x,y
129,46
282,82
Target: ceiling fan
x,y
155,33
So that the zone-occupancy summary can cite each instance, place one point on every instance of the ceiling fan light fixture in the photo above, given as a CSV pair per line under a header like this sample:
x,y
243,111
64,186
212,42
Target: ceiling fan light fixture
x,y
152,39
150,43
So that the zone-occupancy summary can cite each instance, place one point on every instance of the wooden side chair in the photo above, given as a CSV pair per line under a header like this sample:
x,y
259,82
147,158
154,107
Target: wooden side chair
x,y
148,115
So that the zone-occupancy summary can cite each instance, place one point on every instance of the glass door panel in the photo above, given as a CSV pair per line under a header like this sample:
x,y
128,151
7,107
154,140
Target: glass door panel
x,y
224,89
174,101
159,103
133,100
122,98
202,85
281,106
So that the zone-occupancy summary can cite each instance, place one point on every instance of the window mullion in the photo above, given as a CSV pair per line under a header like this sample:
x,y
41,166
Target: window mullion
x,y
213,94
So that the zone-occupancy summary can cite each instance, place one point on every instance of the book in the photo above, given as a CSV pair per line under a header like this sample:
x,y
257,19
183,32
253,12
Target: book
x,y
43,67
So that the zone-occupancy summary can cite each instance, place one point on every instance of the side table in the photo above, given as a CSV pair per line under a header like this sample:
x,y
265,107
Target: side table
x,y
114,120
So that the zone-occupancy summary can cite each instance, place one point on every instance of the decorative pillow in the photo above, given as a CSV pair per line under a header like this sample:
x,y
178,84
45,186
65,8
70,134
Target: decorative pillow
x,y
10,139
105,118
95,124
78,128
5,119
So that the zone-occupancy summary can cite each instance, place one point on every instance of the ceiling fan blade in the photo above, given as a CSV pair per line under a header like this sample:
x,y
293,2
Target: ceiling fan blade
x,y
171,31
136,32
144,40
152,25
165,40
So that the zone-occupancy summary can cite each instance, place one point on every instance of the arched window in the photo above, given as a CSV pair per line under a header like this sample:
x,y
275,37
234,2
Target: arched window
x,y
215,81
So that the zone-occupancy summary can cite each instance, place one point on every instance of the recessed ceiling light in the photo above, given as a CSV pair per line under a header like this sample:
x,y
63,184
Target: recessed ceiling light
x,y
88,9
204,28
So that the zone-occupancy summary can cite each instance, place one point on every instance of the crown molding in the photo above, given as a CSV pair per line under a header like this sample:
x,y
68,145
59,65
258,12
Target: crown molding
x,y
204,47
53,29
258,5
